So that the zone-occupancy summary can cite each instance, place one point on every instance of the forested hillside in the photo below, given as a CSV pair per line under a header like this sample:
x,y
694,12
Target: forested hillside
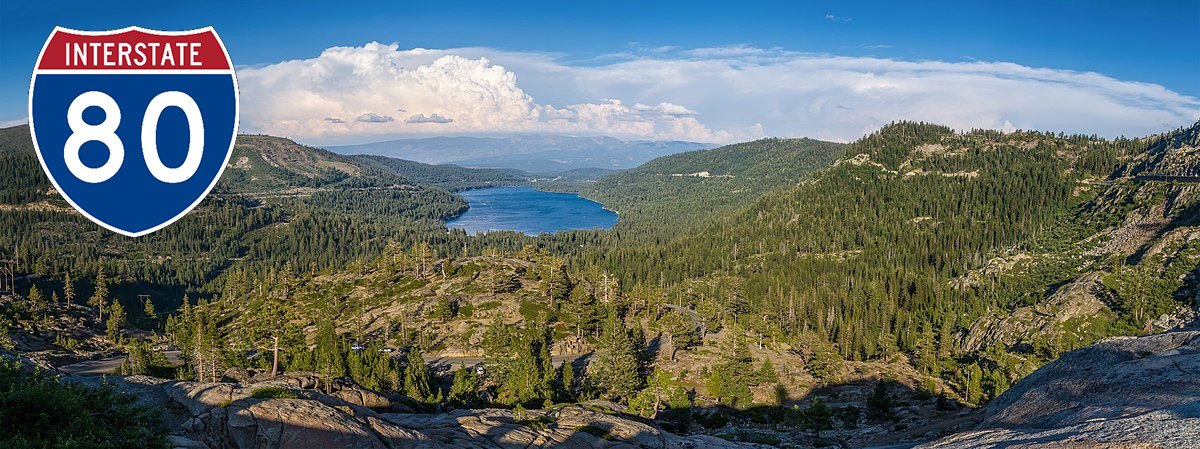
x,y
918,233
277,201
674,194
446,176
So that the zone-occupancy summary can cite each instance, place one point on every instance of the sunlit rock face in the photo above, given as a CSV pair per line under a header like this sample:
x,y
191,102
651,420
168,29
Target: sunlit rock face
x,y
1123,392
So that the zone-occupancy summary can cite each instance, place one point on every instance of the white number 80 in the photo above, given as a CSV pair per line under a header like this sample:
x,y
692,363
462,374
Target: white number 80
x,y
105,133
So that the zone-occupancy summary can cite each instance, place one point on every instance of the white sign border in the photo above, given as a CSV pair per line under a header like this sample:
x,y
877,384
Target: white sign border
x,y
237,105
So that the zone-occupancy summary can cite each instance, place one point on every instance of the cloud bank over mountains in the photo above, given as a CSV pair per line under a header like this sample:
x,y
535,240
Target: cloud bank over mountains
x,y
716,95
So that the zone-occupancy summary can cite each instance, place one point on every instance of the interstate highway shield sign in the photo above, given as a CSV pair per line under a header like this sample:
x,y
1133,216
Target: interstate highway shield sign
x,y
133,126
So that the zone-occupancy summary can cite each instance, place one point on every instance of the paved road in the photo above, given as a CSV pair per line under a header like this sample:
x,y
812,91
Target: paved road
x,y
455,362
101,367
109,365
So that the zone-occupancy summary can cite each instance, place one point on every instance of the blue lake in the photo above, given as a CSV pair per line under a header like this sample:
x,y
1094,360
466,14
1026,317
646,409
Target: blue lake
x,y
526,210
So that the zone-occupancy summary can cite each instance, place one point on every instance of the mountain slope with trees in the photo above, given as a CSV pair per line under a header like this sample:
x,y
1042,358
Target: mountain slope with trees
x,y
673,194
918,233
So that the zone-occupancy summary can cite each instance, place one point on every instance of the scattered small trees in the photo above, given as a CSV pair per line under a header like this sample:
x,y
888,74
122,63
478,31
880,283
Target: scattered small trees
x,y
140,358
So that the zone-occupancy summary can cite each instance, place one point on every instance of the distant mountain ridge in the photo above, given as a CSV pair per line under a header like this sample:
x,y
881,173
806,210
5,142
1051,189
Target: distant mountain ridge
x,y
539,154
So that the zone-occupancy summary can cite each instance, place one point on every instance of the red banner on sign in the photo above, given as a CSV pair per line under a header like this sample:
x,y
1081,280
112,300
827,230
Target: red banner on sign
x,y
133,49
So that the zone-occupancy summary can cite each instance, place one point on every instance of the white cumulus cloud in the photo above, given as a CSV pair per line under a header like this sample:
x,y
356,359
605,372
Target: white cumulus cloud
x,y
462,94
709,94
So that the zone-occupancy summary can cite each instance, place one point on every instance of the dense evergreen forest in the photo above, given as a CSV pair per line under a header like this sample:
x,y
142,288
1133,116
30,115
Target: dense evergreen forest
x,y
447,176
675,194
277,202
889,251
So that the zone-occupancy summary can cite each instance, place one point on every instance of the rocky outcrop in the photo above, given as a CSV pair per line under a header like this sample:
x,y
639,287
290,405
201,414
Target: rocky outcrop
x,y
1124,392
1086,296
570,426
281,423
345,415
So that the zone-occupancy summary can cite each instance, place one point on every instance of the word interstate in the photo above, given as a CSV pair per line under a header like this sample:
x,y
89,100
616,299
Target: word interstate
x,y
117,54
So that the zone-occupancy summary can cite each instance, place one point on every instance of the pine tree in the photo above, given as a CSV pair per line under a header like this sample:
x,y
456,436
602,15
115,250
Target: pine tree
x,y
527,377
464,389
499,278
946,338
825,361
99,299
582,309
36,299
69,289
732,376
818,417
329,350
417,379
767,373
207,346
926,352
681,331
275,320
444,309
422,252
568,391
880,402
195,334
615,367
116,321
609,288
974,383
149,312
448,266
558,287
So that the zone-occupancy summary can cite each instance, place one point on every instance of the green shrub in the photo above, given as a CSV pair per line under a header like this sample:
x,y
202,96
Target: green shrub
x,y
37,411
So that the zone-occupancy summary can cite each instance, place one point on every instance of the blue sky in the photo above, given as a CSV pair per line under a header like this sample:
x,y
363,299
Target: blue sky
x,y
1130,43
